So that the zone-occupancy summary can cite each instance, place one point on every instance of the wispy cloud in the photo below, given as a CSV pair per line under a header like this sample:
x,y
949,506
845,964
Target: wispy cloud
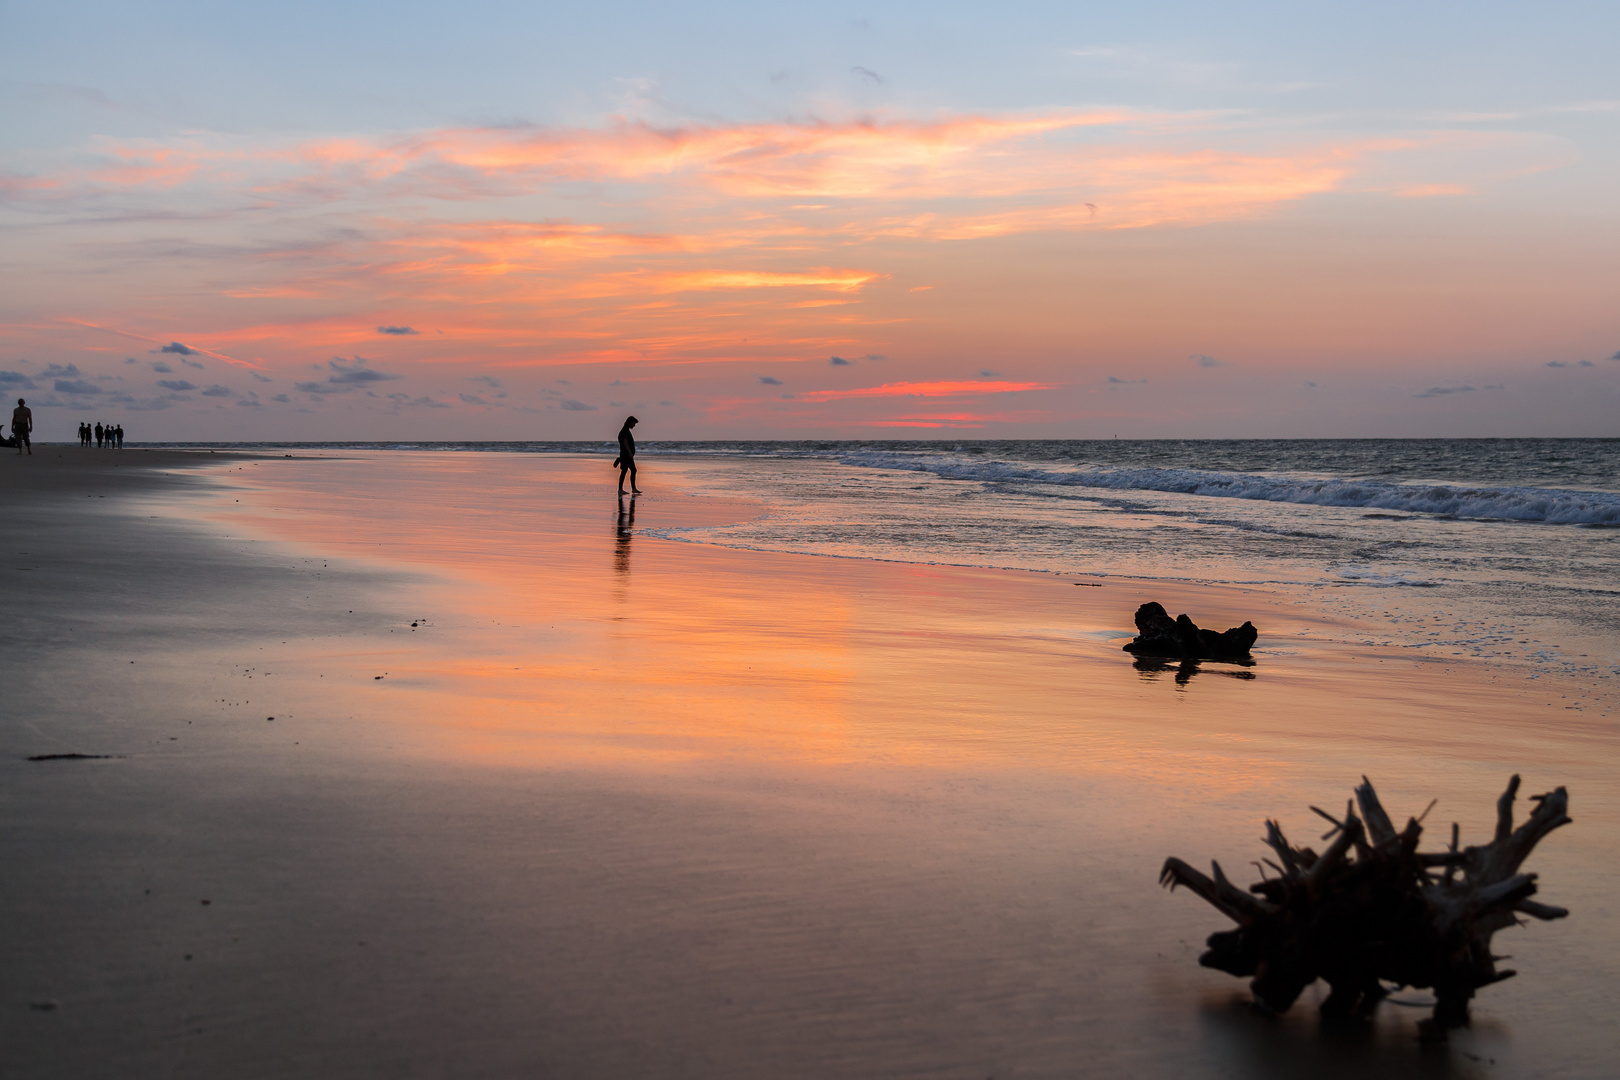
x,y
1443,391
944,176
924,389
397,331
355,372
346,377
420,402
188,355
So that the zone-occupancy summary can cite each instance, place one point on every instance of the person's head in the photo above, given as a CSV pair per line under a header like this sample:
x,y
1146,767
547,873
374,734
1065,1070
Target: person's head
x,y
630,421
20,401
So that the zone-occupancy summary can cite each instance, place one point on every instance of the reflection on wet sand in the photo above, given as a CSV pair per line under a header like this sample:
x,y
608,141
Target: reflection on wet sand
x,y
1299,1047
1152,667
956,763
623,530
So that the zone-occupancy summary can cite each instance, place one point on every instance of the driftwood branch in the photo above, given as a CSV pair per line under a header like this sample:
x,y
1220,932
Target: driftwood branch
x,y
1157,634
1372,909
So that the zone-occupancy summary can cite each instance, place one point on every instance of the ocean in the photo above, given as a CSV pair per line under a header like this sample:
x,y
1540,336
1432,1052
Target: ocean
x,y
1492,549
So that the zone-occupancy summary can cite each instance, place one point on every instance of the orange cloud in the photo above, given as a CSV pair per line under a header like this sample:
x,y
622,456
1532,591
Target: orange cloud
x,y
635,245
930,422
924,389
934,178
837,280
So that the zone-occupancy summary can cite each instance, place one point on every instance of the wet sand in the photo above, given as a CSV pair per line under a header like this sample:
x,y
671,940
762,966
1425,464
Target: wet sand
x,y
619,806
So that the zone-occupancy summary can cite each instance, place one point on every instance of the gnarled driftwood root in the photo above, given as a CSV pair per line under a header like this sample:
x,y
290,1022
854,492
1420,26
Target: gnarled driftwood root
x,y
1372,909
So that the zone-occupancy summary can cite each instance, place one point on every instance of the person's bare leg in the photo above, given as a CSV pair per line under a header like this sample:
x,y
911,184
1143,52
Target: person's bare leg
x,y
633,489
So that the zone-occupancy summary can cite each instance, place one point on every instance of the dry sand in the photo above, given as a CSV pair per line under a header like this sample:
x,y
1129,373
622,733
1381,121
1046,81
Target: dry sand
x,y
619,807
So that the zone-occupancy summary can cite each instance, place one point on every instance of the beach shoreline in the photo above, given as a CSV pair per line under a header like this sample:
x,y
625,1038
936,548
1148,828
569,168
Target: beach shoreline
x,y
543,792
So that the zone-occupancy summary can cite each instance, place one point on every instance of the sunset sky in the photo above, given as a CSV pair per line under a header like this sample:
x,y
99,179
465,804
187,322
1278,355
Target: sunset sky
x,y
523,221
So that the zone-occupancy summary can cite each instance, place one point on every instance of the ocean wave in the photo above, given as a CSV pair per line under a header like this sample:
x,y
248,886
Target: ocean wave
x,y
1549,505
1383,581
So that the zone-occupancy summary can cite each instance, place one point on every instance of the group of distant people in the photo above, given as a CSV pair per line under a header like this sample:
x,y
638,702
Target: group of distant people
x,y
107,437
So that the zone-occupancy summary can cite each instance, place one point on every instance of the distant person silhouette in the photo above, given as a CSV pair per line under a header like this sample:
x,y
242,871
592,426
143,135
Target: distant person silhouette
x,y
84,434
119,431
626,461
98,434
22,426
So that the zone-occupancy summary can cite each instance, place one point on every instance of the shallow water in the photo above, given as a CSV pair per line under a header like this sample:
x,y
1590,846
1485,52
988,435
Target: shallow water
x,y
1500,549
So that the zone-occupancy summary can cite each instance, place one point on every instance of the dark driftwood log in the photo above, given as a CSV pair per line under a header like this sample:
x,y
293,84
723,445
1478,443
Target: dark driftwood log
x,y
1157,634
1372,909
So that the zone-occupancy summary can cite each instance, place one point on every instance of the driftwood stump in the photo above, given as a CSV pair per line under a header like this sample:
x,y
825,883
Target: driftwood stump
x,y
1372,909
1157,634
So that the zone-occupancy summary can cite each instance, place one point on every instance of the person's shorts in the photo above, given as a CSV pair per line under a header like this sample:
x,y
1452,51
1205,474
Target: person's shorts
x,y
23,439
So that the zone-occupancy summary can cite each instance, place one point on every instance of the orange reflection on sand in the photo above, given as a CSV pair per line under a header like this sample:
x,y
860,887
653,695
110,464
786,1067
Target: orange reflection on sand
x,y
556,629
556,633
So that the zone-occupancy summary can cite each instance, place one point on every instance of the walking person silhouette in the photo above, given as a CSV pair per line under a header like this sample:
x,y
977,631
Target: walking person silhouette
x,y
626,461
22,426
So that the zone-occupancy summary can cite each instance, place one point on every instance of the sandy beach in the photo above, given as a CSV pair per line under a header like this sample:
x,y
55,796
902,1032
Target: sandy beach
x,y
444,764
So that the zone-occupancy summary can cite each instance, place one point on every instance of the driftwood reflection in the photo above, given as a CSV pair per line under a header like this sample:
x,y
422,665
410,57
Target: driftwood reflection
x,y
1152,667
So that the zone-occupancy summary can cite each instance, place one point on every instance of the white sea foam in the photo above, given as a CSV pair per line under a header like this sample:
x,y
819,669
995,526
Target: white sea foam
x,y
1550,505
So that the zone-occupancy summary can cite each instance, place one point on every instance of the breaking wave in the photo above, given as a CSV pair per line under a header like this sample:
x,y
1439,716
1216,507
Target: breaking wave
x,y
1548,505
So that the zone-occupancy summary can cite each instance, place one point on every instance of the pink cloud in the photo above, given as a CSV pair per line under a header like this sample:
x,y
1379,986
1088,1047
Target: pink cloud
x,y
925,389
941,178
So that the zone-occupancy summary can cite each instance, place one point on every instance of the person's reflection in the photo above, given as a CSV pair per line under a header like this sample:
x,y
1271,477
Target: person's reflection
x,y
624,530
1151,667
